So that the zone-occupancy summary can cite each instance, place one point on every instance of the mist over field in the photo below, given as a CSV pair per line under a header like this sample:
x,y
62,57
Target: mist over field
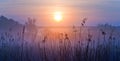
x,y
28,42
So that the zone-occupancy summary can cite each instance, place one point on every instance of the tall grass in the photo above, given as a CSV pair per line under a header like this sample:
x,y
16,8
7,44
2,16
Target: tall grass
x,y
56,46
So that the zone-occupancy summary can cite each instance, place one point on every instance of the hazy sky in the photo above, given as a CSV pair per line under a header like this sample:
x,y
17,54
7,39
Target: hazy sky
x,y
97,11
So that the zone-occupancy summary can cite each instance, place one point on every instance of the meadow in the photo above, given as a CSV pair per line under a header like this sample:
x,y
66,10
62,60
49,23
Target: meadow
x,y
77,43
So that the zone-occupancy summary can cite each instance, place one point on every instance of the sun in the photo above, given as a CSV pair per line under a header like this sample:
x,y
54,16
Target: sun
x,y
58,16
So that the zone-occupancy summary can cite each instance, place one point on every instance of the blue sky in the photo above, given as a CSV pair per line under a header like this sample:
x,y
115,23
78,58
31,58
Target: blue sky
x,y
97,11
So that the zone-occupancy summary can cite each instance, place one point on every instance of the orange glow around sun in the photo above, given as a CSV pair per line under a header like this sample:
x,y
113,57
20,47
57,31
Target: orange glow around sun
x,y
58,16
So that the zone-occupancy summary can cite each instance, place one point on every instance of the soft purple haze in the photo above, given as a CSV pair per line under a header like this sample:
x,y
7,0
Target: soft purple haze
x,y
97,11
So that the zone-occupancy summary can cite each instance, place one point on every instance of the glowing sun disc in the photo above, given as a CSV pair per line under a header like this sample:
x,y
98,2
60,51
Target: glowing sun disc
x,y
58,16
